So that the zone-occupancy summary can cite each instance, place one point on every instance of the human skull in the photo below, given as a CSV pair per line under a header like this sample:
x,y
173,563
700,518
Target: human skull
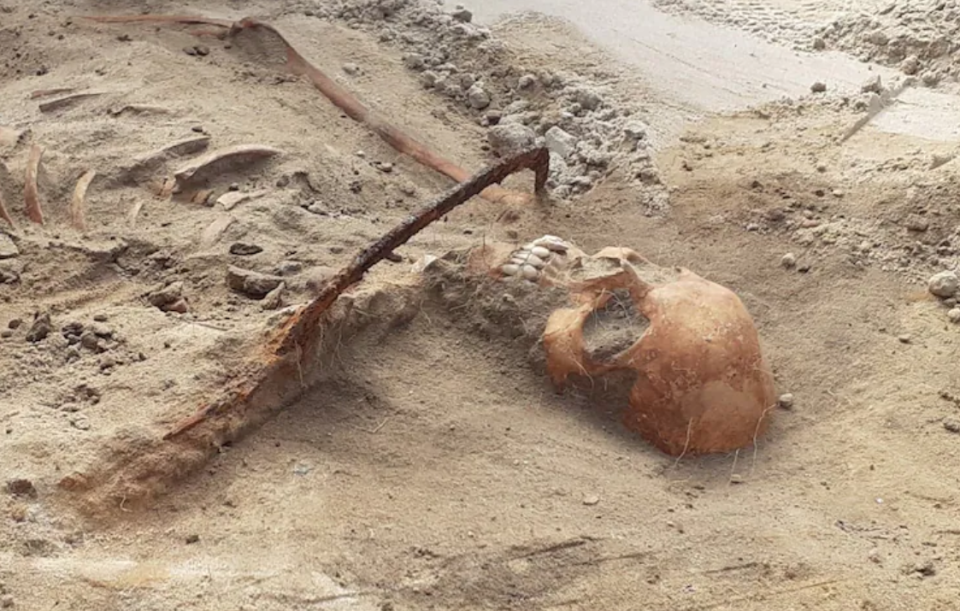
x,y
702,385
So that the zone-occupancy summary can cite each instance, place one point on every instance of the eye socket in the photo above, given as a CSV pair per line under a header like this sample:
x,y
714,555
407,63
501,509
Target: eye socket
x,y
613,328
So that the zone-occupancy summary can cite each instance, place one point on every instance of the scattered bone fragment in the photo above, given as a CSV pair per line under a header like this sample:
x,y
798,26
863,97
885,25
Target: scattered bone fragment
x,y
202,197
142,167
134,212
166,187
423,264
180,148
231,199
211,235
67,101
138,109
31,193
240,154
45,93
77,203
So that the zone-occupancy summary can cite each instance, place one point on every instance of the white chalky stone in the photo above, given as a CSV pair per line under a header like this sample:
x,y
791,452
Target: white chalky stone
x,y
530,272
510,269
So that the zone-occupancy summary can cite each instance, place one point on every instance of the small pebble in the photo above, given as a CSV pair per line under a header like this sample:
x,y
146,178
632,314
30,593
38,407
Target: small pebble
x,y
477,97
952,425
191,539
927,569
786,401
954,315
290,268
242,249
530,272
788,261
905,339
413,61
101,330
736,478
80,422
462,15
910,66
40,329
510,269
527,81
944,284
591,499
589,99
351,69
90,341
818,87
872,85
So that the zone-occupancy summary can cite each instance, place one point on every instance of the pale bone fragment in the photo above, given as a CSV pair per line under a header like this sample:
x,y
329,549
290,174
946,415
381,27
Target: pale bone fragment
x,y
31,194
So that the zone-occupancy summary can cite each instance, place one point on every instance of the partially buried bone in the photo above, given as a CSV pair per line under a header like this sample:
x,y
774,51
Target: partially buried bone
x,y
702,384
31,193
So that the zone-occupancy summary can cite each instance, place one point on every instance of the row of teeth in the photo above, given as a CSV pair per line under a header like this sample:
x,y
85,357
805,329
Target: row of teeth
x,y
533,257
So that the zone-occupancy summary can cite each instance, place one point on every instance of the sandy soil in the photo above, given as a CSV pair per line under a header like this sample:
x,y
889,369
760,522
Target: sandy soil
x,y
433,466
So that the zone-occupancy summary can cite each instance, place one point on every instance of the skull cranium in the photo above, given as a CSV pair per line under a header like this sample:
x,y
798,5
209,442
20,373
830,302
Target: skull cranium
x,y
702,384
